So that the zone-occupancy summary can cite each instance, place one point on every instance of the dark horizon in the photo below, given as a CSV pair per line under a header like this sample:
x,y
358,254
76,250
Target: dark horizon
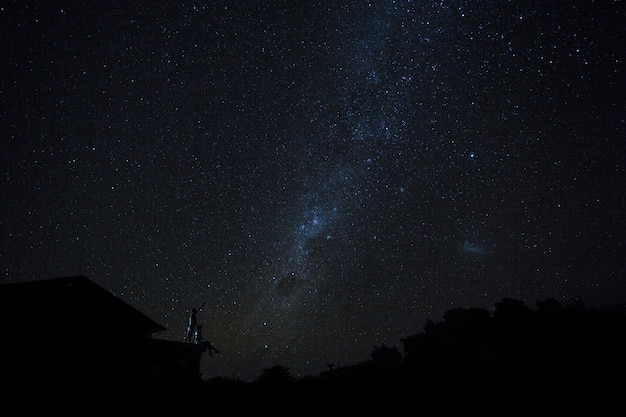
x,y
555,356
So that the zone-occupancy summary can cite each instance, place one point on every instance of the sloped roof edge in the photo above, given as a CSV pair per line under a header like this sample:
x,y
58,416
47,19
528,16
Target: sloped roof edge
x,y
95,304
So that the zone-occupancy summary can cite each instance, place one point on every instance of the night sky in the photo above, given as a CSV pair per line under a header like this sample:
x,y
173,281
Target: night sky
x,y
326,176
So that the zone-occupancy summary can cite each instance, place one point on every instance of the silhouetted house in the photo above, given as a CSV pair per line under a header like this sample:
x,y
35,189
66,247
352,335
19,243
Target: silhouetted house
x,y
70,333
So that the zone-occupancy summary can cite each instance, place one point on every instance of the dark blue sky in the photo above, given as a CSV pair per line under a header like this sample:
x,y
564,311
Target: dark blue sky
x,y
325,175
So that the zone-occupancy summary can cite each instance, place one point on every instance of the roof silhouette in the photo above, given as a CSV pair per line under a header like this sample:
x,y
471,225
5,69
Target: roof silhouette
x,y
70,304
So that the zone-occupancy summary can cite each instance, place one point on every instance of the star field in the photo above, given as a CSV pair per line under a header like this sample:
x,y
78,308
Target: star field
x,y
325,176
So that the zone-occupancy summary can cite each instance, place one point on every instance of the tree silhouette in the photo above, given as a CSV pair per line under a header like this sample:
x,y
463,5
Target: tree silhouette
x,y
386,357
275,375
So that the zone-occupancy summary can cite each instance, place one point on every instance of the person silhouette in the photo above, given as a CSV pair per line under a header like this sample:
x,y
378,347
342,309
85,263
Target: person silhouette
x,y
192,325
206,345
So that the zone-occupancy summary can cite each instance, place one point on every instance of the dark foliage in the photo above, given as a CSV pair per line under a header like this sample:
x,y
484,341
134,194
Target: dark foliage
x,y
516,360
